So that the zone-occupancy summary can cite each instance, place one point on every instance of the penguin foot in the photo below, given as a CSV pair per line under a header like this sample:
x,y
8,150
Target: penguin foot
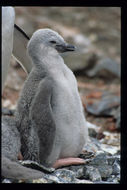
x,y
68,161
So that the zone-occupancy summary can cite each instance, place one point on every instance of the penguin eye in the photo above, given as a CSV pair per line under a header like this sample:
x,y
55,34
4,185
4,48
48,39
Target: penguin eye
x,y
53,42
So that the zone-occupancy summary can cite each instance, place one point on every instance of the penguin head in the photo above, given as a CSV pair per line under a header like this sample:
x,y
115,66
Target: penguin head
x,y
47,38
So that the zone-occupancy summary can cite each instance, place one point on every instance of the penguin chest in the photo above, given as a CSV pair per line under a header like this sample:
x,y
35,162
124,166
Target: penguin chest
x,y
69,119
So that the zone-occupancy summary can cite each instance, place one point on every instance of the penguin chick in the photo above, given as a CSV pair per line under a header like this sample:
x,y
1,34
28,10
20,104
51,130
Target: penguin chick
x,y
10,138
49,113
10,149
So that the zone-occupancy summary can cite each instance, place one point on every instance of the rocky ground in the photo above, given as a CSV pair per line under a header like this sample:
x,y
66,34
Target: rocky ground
x,y
96,64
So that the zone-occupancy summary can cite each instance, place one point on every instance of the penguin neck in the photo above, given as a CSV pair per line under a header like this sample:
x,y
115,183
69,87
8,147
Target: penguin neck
x,y
47,60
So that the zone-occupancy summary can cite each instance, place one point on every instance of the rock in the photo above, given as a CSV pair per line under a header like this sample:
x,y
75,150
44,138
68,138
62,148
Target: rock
x,y
99,159
108,167
114,161
105,106
66,175
106,68
114,179
47,178
61,176
92,173
80,61
83,181
110,143
102,168
105,171
92,147
114,158
100,162
110,149
117,116
6,103
92,129
116,168
6,181
78,170
54,179
92,132
105,182
41,180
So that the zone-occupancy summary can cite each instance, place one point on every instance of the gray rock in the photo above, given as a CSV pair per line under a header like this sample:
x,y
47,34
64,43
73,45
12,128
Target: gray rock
x,y
92,132
6,181
47,178
100,162
114,179
116,168
80,61
108,148
117,116
83,181
115,158
92,146
54,179
105,171
102,168
106,67
105,106
40,180
92,173
99,159
65,175
78,170
105,182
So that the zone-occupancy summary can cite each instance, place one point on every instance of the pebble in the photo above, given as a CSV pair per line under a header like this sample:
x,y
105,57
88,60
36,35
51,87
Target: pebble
x,y
6,181
78,170
66,175
92,173
92,129
116,168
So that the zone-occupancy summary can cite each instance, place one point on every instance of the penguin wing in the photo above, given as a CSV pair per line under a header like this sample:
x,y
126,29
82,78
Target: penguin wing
x,y
20,40
41,114
14,170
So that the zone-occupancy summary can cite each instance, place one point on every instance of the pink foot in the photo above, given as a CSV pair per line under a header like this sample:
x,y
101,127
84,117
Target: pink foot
x,y
68,161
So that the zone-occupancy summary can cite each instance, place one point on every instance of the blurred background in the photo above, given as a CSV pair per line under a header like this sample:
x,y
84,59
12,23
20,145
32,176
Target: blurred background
x,y
96,63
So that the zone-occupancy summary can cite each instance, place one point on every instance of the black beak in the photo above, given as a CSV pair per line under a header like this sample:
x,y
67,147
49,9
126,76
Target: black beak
x,y
69,47
65,47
